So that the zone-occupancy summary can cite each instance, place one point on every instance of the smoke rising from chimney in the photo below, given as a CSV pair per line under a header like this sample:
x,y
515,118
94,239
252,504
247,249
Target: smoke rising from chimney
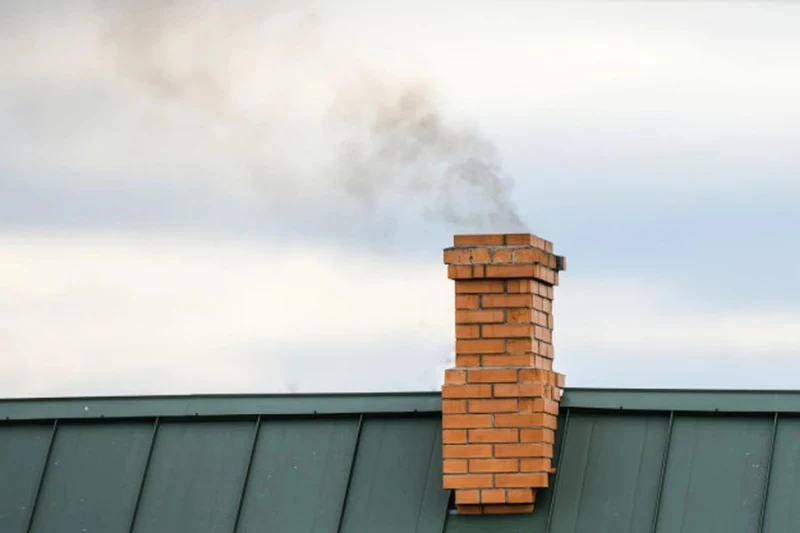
x,y
391,144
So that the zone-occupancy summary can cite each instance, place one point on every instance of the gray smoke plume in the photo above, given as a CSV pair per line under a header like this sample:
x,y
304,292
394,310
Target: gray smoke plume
x,y
393,148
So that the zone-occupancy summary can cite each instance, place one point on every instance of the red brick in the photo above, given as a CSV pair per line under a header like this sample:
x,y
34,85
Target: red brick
x,y
482,466
506,331
511,271
523,420
467,332
512,481
454,436
455,466
479,240
493,496
541,464
469,481
482,346
533,255
468,451
493,406
466,421
521,496
520,239
508,360
538,405
468,361
507,300
454,407
560,380
459,272
537,435
466,391
456,255
482,436
480,255
467,301
519,316
508,509
523,450
466,316
469,509
543,334
468,496
535,375
478,271
479,286
455,377
502,390
520,286
492,375
503,255
526,345
543,362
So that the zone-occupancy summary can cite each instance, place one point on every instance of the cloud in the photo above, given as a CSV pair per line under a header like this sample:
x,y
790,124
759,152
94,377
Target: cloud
x,y
103,313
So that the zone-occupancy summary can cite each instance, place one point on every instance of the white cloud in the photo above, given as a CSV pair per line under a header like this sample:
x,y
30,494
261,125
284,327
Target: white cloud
x,y
125,314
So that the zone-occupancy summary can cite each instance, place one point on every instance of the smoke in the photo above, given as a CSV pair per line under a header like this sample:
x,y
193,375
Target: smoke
x,y
237,68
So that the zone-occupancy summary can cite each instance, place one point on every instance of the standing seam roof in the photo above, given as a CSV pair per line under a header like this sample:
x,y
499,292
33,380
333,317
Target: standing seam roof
x,y
627,461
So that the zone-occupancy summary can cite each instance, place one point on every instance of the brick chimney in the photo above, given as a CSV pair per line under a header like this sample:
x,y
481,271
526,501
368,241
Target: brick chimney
x,y
500,403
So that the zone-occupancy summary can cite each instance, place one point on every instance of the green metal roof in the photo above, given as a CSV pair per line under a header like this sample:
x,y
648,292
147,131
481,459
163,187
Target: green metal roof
x,y
628,461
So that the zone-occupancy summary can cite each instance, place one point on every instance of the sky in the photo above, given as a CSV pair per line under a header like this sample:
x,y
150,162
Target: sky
x,y
253,197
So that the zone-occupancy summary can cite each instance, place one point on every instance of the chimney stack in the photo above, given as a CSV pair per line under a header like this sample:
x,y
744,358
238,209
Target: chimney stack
x,y
500,403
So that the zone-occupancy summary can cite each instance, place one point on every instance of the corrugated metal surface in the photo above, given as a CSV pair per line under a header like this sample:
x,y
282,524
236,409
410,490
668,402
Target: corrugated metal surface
x,y
628,461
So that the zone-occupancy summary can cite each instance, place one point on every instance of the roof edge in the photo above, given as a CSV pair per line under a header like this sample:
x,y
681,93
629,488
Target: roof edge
x,y
687,400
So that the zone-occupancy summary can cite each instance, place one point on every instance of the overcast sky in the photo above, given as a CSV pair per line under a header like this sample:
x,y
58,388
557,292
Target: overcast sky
x,y
239,197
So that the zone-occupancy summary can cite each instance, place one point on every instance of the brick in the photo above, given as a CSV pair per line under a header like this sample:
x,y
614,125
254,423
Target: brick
x,y
493,406
455,377
547,305
503,255
468,332
456,466
466,316
533,255
523,420
511,271
470,481
492,375
526,345
468,496
478,271
459,271
468,451
456,255
493,496
467,301
502,390
483,436
454,436
470,509
520,316
508,360
481,255
479,240
511,481
454,407
508,509
520,239
520,286
537,435
482,466
467,361
506,331
560,380
538,405
482,346
521,495
507,300
535,375
466,391
523,450
466,421
543,334
543,362
540,464
479,286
